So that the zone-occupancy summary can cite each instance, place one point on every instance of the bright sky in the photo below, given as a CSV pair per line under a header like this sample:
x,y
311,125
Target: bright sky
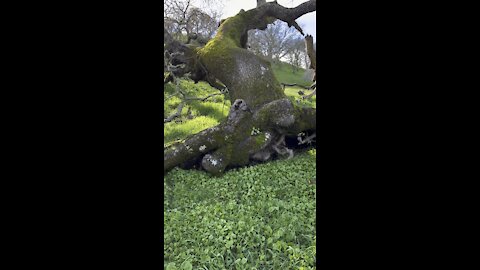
x,y
307,21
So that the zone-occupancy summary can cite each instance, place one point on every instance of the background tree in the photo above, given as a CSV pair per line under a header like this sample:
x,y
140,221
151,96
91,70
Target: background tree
x,y
182,19
296,54
187,23
275,42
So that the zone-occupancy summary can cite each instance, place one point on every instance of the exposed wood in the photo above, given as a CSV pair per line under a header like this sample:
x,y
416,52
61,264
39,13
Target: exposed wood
x,y
311,54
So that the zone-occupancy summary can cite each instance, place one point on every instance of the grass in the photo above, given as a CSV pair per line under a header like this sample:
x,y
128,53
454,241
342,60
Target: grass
x,y
205,114
285,74
258,217
292,94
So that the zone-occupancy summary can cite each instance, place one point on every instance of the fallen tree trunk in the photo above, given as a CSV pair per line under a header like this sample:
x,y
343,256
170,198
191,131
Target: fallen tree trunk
x,y
261,115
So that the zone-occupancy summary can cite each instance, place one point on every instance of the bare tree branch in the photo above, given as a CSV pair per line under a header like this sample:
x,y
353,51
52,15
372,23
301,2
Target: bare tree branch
x,y
204,98
308,139
288,15
176,114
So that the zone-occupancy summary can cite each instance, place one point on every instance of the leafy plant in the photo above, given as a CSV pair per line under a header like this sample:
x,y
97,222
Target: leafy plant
x,y
259,217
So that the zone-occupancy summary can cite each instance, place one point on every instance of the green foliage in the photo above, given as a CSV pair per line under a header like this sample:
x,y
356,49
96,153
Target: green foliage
x,y
259,217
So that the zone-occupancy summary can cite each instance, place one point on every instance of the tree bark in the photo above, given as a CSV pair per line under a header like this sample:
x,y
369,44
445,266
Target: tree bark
x,y
311,54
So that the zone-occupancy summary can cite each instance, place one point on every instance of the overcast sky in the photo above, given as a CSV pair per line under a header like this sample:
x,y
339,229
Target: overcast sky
x,y
232,7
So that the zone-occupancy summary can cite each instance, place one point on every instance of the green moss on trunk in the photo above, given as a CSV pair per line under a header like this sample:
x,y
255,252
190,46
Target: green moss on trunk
x,y
246,75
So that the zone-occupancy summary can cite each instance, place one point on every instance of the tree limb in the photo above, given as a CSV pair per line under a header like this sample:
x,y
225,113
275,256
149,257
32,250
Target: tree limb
x,y
204,98
276,11
309,139
311,54
176,114
313,63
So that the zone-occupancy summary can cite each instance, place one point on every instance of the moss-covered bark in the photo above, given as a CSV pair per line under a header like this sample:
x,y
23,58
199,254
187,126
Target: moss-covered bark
x,y
245,74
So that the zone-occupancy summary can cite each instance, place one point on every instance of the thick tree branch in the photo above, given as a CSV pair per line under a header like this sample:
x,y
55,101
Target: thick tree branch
x,y
311,54
276,11
313,63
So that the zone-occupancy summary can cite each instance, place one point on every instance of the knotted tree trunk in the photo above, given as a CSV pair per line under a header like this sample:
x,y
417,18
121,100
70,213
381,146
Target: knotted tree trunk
x,y
261,115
